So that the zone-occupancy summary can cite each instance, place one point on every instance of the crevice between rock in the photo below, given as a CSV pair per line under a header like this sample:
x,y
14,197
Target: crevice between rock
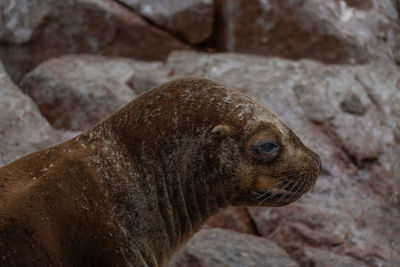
x,y
253,224
153,24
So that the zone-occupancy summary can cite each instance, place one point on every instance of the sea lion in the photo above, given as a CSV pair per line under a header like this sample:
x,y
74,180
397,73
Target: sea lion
x,y
134,188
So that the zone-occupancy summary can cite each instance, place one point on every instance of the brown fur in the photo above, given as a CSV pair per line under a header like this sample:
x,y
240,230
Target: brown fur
x,y
134,188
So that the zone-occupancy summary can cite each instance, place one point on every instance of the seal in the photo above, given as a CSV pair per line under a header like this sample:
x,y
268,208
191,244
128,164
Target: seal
x,y
135,187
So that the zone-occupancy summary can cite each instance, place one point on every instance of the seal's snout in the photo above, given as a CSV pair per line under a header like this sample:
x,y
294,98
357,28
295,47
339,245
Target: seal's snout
x,y
315,163
285,168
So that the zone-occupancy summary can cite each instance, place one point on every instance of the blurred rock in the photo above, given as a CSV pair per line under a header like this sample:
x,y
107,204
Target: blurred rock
x,y
192,20
22,129
341,31
233,218
76,92
144,79
351,103
319,257
344,31
219,247
37,30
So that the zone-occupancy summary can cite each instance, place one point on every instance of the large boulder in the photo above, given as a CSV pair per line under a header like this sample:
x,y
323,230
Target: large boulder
x,y
218,247
76,92
345,31
320,257
22,128
37,30
233,218
191,20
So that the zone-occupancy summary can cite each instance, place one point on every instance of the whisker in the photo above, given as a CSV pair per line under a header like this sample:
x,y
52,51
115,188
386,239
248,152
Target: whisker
x,y
282,197
300,184
289,175
283,188
307,185
290,190
293,174
269,190
273,195
300,187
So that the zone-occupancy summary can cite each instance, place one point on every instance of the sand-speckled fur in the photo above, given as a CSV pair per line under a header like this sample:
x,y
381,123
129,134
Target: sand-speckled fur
x,y
134,188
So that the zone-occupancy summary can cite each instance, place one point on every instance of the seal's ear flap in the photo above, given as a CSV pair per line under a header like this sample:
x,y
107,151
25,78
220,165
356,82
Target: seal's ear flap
x,y
223,130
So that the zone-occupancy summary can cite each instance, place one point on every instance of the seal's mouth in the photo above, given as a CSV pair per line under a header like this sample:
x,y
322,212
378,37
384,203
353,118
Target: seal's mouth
x,y
276,197
283,193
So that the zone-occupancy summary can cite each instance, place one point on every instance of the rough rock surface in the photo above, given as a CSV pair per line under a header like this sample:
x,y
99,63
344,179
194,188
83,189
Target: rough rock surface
x,y
342,31
233,218
191,20
22,128
34,31
77,92
218,247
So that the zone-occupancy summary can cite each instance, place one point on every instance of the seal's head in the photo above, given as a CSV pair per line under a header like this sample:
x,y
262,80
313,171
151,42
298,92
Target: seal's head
x,y
226,145
275,167
278,167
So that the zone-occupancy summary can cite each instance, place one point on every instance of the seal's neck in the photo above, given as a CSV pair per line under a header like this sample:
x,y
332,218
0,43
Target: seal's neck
x,y
164,188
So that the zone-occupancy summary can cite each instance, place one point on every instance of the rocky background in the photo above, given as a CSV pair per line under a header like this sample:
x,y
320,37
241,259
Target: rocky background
x,y
329,68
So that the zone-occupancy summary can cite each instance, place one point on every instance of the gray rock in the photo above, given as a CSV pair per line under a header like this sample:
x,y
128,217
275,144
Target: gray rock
x,y
36,30
319,257
22,128
218,247
351,103
233,218
144,79
76,92
349,31
192,20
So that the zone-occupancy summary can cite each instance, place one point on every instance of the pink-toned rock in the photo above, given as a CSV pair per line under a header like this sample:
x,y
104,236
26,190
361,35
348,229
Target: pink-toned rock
x,y
144,78
233,218
192,20
348,31
76,92
219,247
320,257
22,128
34,31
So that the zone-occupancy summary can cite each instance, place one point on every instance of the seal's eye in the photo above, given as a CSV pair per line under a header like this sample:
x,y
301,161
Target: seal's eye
x,y
267,148
265,151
